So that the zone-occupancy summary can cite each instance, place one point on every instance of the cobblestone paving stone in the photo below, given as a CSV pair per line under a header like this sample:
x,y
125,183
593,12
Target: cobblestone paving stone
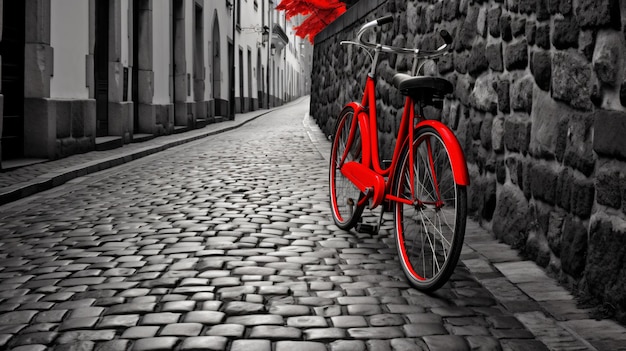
x,y
225,243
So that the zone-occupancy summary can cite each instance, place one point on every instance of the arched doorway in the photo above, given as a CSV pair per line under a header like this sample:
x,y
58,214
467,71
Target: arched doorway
x,y
181,88
217,66
259,79
12,50
241,80
216,63
101,67
198,63
250,100
142,74
231,79
136,62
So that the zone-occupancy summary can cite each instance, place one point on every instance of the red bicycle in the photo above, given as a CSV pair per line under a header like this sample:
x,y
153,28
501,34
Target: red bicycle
x,y
424,183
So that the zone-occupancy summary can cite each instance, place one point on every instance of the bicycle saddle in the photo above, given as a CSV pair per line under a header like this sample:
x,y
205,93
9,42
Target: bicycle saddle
x,y
421,86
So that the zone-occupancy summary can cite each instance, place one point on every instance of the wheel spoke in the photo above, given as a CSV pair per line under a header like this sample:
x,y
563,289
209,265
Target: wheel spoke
x,y
431,244
429,232
440,232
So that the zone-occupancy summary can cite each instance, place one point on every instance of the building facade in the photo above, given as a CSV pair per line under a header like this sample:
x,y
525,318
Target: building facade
x,y
91,75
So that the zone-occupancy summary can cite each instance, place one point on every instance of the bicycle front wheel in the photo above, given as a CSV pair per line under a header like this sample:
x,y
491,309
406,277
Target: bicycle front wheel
x,y
429,231
344,195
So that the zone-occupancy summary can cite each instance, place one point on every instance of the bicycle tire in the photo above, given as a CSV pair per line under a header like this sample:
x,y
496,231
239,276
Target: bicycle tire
x,y
344,195
424,229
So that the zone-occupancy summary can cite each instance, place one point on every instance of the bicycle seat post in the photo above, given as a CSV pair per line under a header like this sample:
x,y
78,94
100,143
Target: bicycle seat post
x,y
415,67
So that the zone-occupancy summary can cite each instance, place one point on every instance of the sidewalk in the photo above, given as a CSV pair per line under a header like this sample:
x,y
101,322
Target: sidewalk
x,y
523,288
28,180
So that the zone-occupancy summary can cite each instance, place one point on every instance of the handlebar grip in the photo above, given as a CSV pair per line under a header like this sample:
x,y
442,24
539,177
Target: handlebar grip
x,y
383,20
447,38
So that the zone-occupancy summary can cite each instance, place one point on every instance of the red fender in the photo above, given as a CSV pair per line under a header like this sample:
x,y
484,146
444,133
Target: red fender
x,y
457,158
355,106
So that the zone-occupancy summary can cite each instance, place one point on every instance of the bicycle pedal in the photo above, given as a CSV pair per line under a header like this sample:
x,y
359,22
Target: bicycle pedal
x,y
366,228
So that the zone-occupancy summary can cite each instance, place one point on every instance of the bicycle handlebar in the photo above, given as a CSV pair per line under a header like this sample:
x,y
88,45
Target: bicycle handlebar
x,y
394,49
385,20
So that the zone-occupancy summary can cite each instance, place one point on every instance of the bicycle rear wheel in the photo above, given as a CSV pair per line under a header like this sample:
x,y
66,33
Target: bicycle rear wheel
x,y
344,195
429,233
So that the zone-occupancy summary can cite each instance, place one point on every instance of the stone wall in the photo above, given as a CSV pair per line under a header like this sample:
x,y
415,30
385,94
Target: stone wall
x,y
539,107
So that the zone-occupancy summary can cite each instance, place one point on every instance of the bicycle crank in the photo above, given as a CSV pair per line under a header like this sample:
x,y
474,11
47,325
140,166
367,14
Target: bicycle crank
x,y
367,228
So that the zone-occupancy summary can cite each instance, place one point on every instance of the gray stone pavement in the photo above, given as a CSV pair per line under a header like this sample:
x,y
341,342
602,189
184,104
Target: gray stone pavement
x,y
225,242
21,182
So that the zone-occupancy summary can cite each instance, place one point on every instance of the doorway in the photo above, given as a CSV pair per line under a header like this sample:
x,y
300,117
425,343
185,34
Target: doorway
x,y
198,62
12,51
180,86
241,97
135,77
231,80
217,67
101,67
250,105
259,79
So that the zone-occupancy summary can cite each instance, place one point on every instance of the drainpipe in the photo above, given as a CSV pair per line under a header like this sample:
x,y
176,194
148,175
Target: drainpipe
x,y
269,51
232,69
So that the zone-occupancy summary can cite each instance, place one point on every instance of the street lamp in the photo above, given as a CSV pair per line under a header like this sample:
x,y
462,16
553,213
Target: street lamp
x,y
265,34
231,103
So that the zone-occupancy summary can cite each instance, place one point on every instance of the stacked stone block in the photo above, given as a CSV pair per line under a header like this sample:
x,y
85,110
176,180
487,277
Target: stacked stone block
x,y
539,107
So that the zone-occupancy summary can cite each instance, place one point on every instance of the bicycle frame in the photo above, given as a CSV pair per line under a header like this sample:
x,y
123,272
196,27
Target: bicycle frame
x,y
368,124
424,183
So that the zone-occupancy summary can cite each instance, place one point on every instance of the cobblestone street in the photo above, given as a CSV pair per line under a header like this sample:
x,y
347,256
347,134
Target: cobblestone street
x,y
227,243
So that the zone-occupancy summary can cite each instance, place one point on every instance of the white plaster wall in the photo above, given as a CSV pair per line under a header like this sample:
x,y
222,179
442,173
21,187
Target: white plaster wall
x,y
124,33
286,62
70,41
161,52
226,26
249,39
206,35
210,14
246,40
292,69
278,58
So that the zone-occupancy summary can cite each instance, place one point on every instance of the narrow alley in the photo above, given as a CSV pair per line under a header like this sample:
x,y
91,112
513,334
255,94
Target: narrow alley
x,y
227,243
